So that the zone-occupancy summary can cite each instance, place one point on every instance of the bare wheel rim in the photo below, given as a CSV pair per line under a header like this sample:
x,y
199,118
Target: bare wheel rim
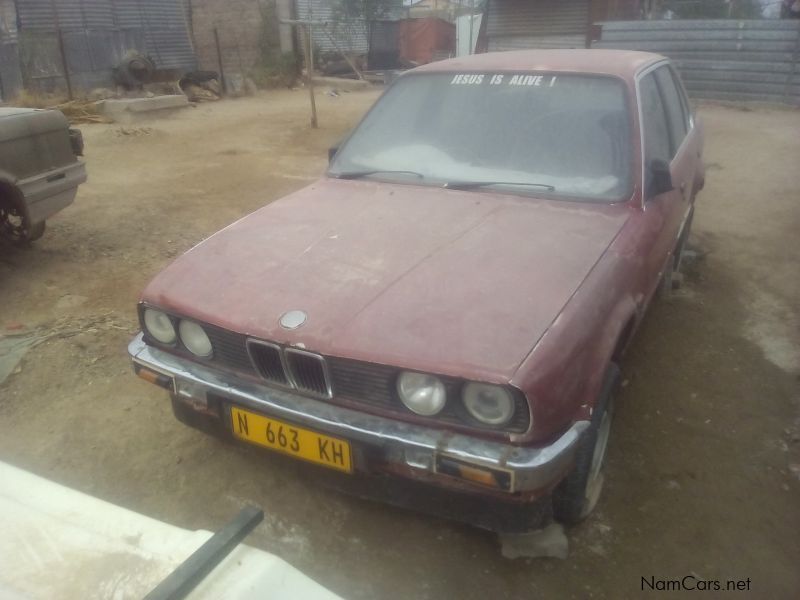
x,y
12,223
599,453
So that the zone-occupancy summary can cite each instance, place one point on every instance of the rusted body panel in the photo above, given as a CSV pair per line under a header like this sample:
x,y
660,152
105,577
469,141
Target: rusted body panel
x,y
537,293
357,258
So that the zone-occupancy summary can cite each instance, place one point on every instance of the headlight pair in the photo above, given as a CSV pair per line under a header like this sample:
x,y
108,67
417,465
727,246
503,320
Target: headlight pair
x,y
161,326
426,395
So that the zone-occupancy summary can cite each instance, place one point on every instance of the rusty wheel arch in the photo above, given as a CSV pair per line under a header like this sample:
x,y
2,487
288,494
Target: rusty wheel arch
x,y
624,339
10,194
11,199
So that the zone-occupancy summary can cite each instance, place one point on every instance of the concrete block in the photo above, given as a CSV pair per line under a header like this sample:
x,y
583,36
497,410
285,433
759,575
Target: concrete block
x,y
128,110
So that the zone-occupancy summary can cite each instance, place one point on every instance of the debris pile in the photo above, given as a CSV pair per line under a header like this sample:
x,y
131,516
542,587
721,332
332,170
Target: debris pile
x,y
82,111
201,86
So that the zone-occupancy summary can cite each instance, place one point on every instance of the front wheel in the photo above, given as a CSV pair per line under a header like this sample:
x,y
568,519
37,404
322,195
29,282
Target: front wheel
x,y
672,277
15,227
577,495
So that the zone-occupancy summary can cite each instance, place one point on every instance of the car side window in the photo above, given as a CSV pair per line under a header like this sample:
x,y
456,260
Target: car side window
x,y
687,109
654,121
674,108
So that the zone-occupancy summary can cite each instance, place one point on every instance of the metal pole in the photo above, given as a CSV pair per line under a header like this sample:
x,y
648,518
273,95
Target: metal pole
x,y
311,47
310,74
219,63
471,24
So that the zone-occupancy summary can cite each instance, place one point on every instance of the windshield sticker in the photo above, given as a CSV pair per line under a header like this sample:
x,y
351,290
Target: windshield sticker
x,y
524,80
467,80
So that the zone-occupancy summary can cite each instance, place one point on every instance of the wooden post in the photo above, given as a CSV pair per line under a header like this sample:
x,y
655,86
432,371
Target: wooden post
x,y
61,51
309,56
223,87
64,64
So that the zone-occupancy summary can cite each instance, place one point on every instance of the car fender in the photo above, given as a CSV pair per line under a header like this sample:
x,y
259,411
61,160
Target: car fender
x,y
563,374
618,330
7,178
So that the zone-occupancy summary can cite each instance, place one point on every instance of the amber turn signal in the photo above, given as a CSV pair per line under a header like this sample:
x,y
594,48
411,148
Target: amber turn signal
x,y
486,476
154,377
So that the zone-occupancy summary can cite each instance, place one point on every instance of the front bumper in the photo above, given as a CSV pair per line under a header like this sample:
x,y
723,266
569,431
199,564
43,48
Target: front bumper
x,y
394,447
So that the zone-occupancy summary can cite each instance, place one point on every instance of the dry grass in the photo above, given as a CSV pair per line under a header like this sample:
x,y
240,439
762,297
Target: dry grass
x,y
81,111
77,111
29,99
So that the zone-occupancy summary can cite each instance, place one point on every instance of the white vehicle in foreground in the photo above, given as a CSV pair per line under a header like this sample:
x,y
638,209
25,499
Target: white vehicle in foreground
x,y
59,543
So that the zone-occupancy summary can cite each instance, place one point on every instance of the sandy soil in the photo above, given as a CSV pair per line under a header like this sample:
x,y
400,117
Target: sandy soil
x,y
704,473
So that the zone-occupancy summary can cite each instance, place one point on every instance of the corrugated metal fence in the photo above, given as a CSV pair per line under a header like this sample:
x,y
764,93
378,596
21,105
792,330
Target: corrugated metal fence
x,y
521,24
339,31
10,75
756,60
96,35
350,36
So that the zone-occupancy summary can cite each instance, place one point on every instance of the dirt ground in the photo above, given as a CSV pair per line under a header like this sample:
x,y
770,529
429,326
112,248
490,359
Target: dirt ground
x,y
704,471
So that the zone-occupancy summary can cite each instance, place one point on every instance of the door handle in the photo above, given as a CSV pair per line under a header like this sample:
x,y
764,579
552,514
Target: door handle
x,y
683,188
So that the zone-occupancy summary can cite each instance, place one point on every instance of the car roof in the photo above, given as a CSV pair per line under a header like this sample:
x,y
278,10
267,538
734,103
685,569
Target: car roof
x,y
620,63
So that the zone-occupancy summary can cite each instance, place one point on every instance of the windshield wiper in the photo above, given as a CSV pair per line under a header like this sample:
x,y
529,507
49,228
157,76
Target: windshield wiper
x,y
359,174
471,185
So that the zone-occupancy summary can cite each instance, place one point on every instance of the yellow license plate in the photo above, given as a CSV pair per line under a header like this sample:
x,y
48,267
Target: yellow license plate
x,y
294,441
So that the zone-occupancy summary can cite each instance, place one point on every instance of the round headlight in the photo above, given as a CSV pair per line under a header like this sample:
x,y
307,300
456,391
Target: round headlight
x,y
159,325
490,404
421,393
194,338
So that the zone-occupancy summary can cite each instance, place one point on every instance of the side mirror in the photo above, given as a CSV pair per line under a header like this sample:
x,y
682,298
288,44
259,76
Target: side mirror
x,y
659,178
336,145
332,151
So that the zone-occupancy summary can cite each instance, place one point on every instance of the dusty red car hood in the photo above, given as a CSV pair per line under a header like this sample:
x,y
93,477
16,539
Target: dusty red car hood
x,y
459,283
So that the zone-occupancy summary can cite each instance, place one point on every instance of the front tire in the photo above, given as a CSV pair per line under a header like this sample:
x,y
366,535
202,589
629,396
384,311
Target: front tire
x,y
577,495
672,277
15,226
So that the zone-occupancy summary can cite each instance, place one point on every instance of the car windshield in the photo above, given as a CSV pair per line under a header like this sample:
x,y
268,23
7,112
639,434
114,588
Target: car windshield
x,y
528,133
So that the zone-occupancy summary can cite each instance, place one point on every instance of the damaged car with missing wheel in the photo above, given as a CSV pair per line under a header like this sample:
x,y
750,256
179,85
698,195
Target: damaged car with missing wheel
x,y
438,322
40,170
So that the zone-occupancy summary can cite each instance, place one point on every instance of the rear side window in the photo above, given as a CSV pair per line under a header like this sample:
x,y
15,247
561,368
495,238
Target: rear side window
x,y
654,121
687,111
674,108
